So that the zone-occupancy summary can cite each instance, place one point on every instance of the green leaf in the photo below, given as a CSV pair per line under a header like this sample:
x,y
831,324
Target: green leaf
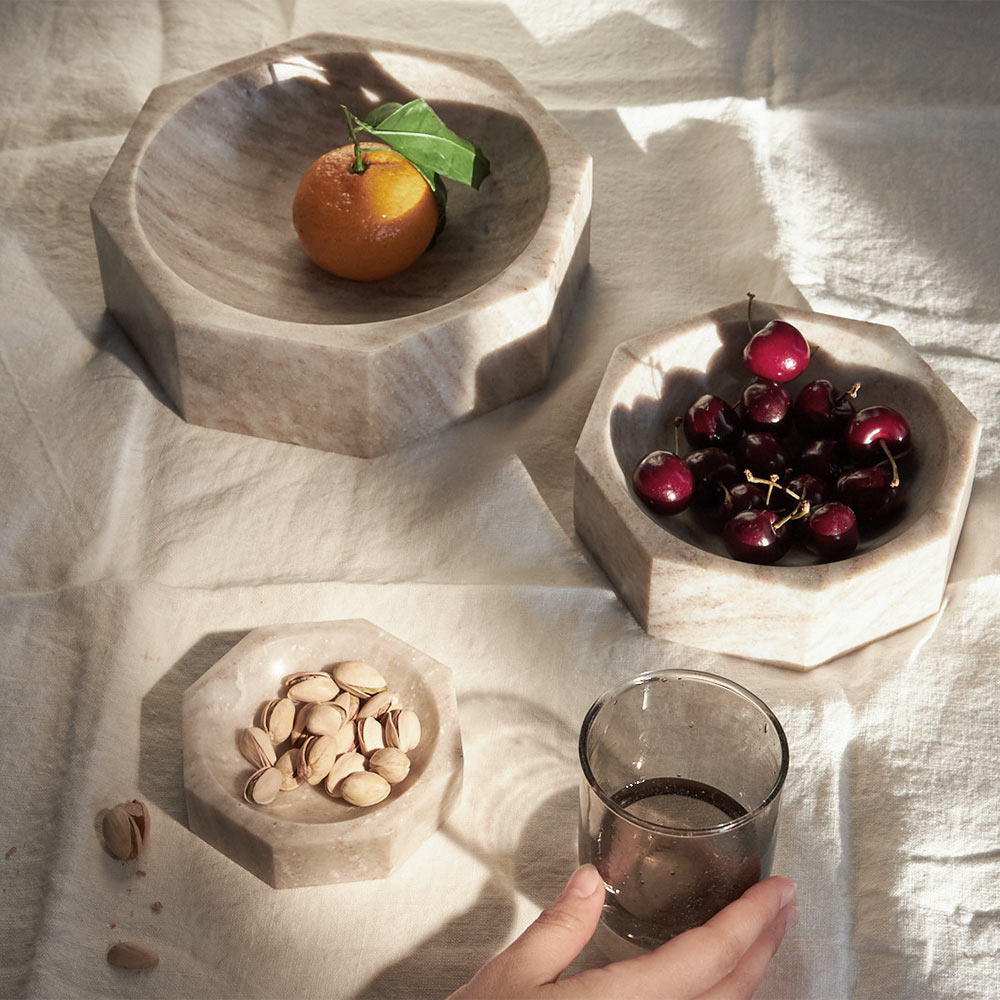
x,y
416,132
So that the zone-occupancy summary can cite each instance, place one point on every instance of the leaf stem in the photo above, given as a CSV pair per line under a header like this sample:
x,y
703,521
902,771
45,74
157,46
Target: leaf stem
x,y
750,298
359,163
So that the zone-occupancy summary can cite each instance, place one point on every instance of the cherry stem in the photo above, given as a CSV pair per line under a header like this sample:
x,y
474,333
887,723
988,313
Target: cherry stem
x,y
851,393
892,463
677,434
359,164
750,298
801,510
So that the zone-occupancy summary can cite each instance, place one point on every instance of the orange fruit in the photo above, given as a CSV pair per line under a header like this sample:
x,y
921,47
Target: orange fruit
x,y
367,225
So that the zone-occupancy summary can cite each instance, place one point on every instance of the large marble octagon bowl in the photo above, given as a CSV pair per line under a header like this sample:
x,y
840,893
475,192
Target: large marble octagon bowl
x,y
674,573
202,267
307,837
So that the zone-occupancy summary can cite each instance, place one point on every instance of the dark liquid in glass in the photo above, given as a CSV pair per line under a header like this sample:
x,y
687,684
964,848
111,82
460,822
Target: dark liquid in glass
x,y
663,883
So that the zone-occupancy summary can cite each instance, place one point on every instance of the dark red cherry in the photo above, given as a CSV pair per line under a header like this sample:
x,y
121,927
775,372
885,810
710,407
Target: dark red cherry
x,y
831,530
710,422
765,406
763,454
824,459
778,352
806,487
872,425
820,411
741,497
870,493
663,482
751,536
713,469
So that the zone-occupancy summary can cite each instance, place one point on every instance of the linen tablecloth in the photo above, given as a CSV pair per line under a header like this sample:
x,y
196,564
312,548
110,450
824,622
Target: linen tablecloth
x,y
839,156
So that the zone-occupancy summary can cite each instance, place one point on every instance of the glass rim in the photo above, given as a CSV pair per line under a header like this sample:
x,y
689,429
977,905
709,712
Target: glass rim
x,y
699,676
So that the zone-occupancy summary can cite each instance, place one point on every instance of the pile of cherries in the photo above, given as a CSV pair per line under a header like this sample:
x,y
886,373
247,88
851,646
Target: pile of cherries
x,y
771,469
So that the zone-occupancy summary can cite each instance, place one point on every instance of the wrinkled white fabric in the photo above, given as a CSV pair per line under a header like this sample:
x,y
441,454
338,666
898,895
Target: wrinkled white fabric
x,y
841,156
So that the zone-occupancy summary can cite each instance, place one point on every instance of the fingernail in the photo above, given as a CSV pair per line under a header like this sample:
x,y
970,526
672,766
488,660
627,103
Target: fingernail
x,y
791,913
584,882
787,893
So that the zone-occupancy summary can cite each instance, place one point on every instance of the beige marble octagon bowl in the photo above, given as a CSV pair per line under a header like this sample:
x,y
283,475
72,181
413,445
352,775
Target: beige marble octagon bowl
x,y
673,572
306,837
202,268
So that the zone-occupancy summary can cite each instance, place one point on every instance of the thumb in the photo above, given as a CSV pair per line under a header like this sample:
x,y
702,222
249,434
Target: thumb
x,y
556,937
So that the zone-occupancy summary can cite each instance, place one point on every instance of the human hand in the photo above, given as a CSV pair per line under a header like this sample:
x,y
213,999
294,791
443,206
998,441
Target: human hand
x,y
724,959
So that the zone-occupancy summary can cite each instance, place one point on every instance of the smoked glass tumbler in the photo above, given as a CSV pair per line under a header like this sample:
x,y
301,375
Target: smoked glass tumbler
x,y
682,775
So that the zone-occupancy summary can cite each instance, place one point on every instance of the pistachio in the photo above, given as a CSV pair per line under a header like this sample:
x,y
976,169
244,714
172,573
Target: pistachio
x,y
122,837
138,811
288,765
346,763
299,725
325,719
359,678
350,703
378,704
132,955
391,764
402,730
370,735
346,738
277,718
364,788
314,688
263,785
318,756
257,747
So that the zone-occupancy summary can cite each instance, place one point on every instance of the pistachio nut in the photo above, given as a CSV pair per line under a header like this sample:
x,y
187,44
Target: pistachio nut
x,y
402,730
359,678
370,735
346,763
122,837
325,718
314,688
364,788
318,756
257,747
288,765
390,763
132,955
346,738
299,725
350,703
378,704
138,811
277,718
263,785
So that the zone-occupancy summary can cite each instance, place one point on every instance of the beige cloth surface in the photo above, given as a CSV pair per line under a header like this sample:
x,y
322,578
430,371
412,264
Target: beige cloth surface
x,y
840,156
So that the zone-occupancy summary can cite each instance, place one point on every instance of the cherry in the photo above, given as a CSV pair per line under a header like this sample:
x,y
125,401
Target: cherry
x,y
765,406
663,482
711,422
873,494
824,459
762,454
831,530
713,470
778,352
820,411
757,536
741,497
806,487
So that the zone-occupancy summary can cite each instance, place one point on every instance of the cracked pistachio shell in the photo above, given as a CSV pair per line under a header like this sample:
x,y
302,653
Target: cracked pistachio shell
x,y
402,730
138,811
378,704
288,765
350,703
277,718
318,756
299,725
364,788
314,688
359,678
256,747
132,955
325,719
346,763
121,834
263,786
370,736
391,764
346,738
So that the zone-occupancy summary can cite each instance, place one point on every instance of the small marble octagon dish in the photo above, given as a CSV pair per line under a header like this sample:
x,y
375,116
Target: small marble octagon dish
x,y
674,574
202,268
307,837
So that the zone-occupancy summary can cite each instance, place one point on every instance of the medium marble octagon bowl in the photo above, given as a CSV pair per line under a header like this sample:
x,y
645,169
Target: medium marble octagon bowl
x,y
306,837
202,267
673,572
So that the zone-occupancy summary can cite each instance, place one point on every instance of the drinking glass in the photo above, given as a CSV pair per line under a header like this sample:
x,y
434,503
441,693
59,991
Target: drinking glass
x,y
682,776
